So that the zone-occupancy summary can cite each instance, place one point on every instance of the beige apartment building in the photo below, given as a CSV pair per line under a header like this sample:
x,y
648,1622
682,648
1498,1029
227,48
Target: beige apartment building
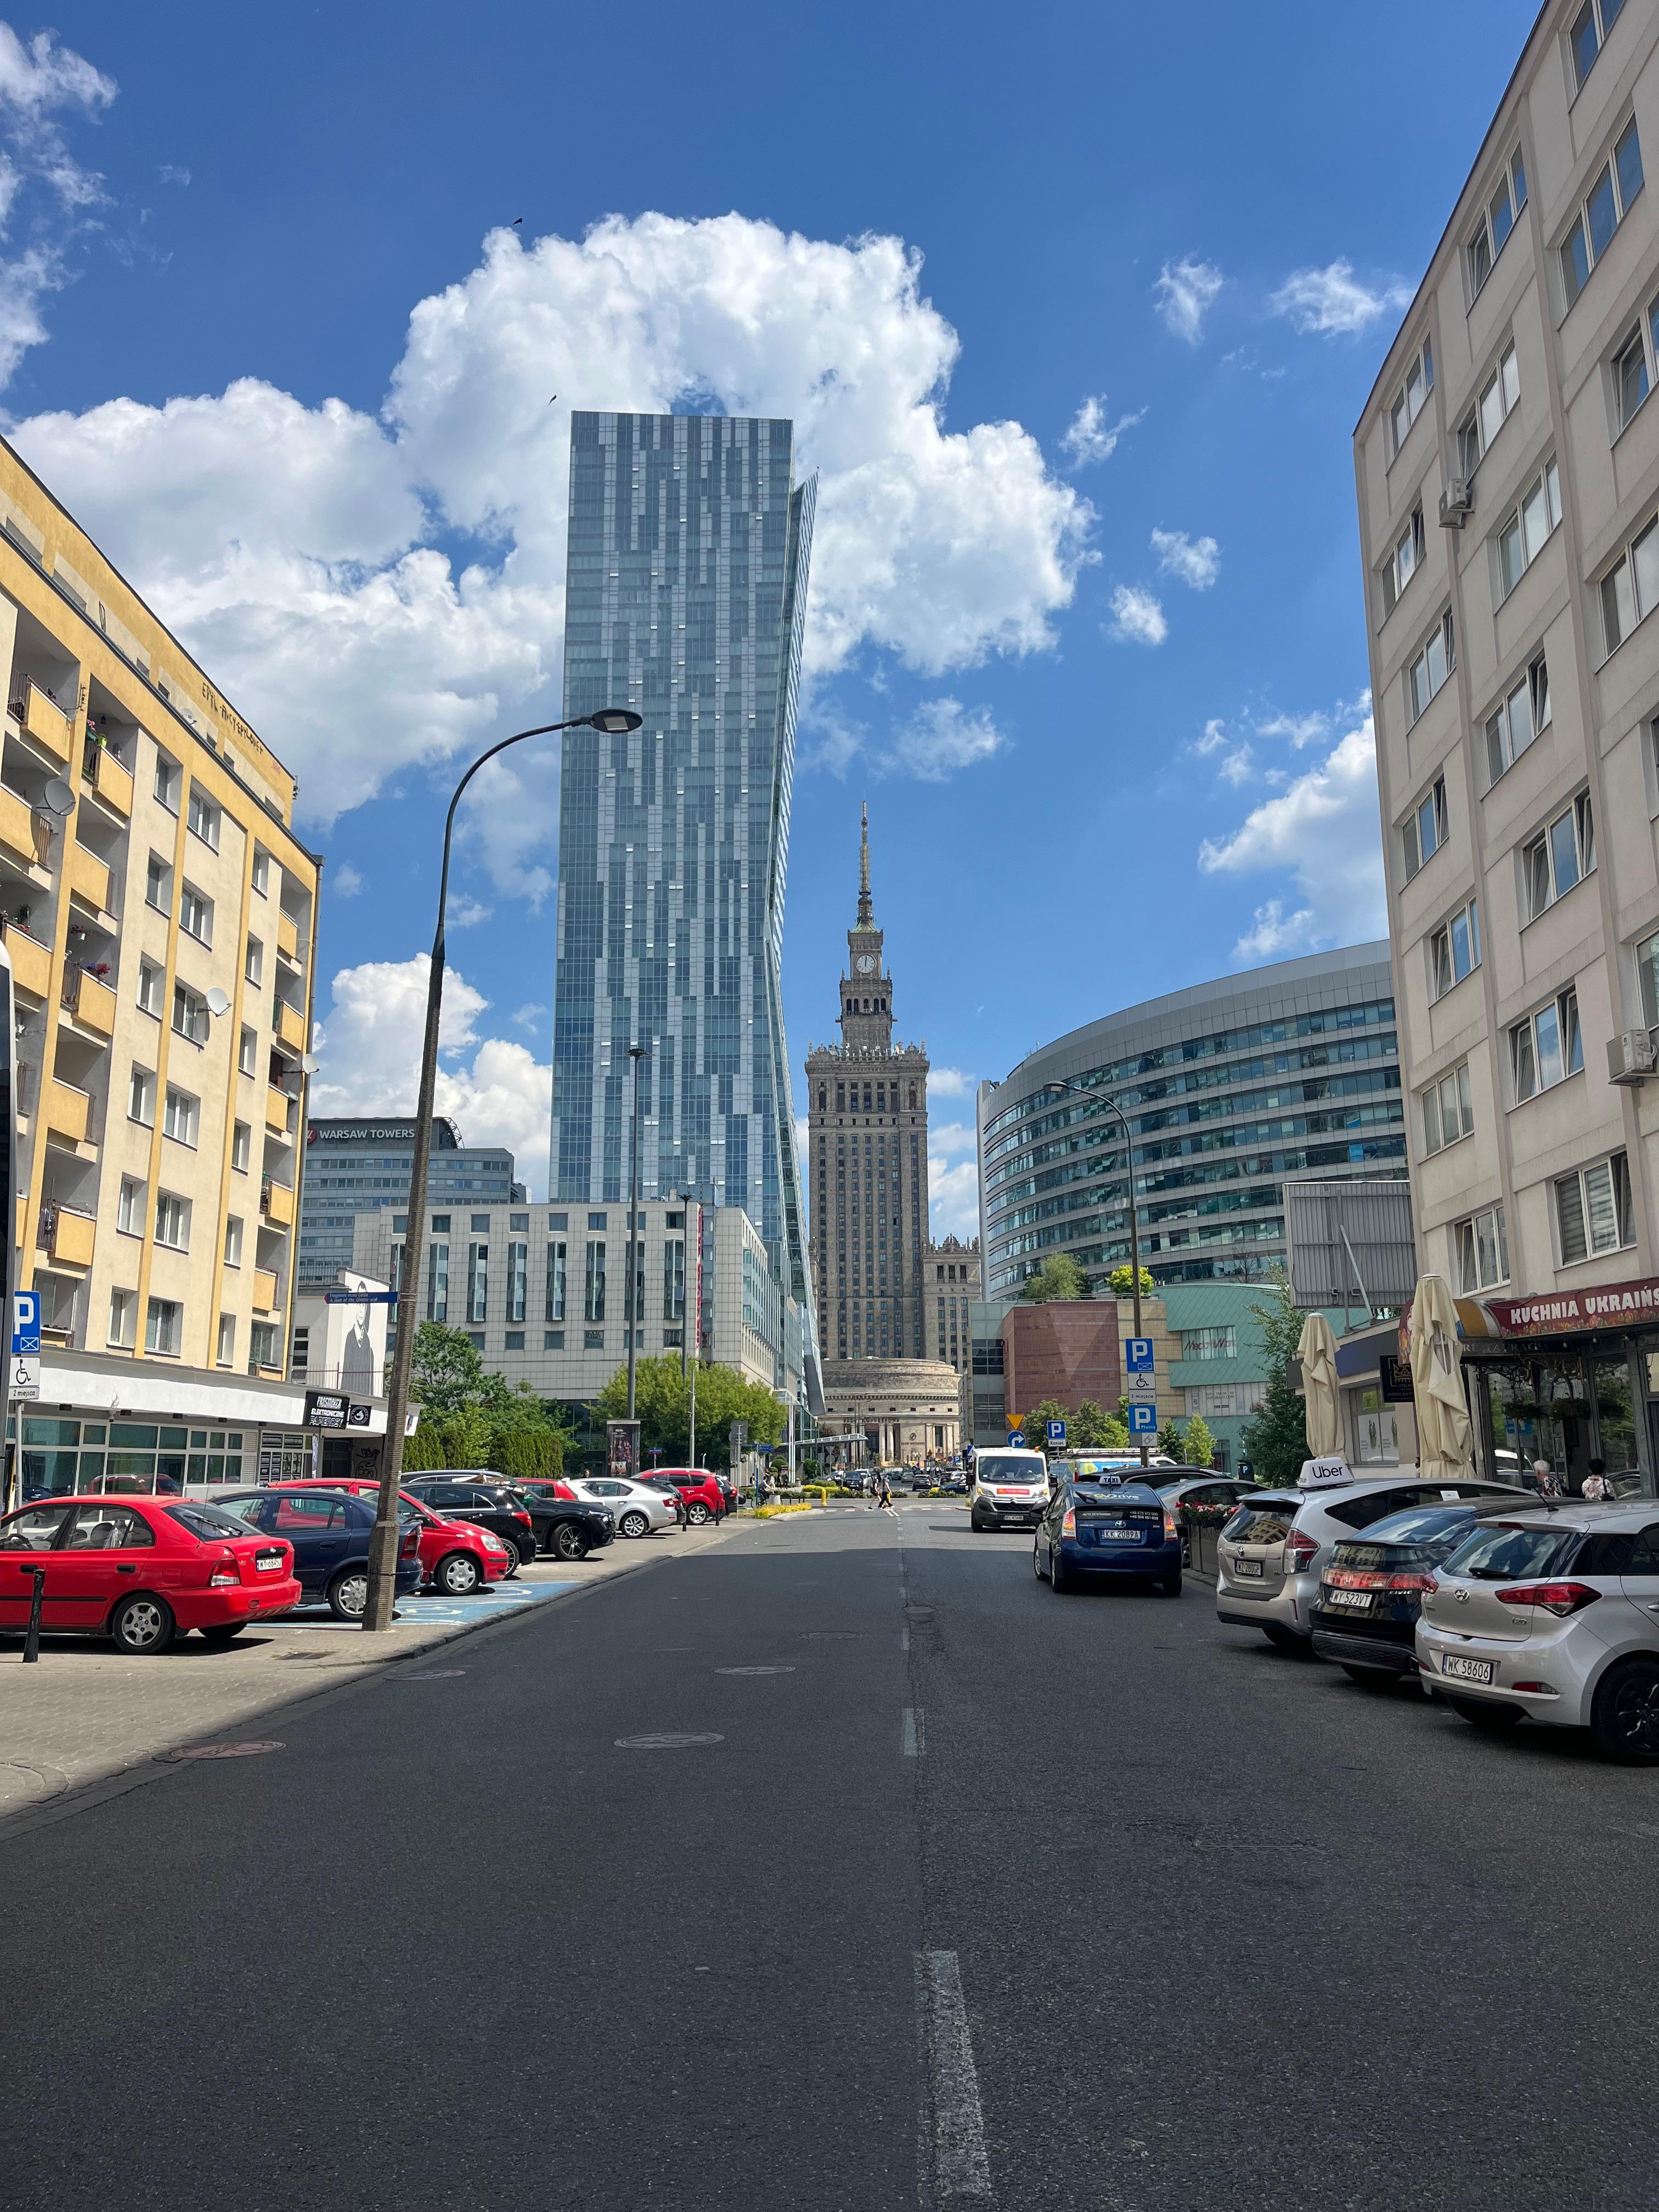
x,y
160,918
951,1285
1508,470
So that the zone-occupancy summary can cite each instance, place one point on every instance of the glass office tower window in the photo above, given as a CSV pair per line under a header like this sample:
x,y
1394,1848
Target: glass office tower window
x,y
518,1257
594,1307
555,1250
478,1280
437,1282
673,1280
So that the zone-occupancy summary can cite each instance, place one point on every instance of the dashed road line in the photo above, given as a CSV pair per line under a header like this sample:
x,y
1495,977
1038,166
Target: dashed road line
x,y
952,2161
912,1742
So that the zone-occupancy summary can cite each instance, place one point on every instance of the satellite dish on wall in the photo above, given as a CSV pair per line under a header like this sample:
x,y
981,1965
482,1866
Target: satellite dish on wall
x,y
218,1001
310,1063
58,797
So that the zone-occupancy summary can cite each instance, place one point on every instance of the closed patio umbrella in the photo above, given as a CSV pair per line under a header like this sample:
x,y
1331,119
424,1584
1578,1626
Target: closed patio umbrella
x,y
1316,1350
1445,1442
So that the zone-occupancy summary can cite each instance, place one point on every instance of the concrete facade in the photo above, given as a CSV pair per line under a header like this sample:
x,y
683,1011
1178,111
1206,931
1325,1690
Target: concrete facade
x,y
361,1164
895,1410
951,1283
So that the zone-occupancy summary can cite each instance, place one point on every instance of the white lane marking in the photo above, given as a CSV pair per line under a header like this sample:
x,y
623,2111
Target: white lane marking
x,y
953,2147
904,1637
911,1737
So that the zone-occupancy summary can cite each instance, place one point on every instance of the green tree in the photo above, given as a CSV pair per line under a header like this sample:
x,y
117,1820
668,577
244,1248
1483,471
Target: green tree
x,y
1091,1428
1275,1441
424,1450
445,1370
1121,1283
1169,1441
470,1417
662,1402
1199,1443
1058,1276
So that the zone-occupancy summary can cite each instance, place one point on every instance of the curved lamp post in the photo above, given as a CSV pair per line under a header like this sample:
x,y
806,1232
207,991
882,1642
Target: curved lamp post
x,y
610,722
1083,1091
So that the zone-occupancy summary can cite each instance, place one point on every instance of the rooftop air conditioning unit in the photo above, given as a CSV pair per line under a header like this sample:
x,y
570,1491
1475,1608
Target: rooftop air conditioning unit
x,y
1456,503
1630,1057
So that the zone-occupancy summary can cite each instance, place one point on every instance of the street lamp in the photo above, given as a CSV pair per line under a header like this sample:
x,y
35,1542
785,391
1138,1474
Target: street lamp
x,y
610,722
1084,1090
636,1054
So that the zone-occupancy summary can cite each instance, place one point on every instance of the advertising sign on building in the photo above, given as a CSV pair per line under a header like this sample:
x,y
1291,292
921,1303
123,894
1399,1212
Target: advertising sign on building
x,y
1611,1305
622,1449
327,1409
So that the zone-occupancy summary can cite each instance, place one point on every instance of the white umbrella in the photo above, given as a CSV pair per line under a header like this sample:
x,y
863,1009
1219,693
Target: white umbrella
x,y
1445,1442
1316,1350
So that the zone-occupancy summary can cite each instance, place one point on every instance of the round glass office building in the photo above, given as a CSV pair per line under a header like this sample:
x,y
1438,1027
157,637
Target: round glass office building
x,y
1228,1087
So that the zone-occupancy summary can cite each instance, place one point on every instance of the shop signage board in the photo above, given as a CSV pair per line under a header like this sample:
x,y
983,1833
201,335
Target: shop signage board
x,y
327,1409
1395,1380
1606,1305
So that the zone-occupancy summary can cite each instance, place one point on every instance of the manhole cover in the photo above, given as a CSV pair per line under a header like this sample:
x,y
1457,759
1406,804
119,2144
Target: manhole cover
x,y
666,1742
223,1751
438,1674
754,1670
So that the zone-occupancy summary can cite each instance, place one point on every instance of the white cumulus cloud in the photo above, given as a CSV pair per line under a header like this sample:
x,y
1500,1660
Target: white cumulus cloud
x,y
1194,562
949,1082
1137,617
41,83
943,736
1332,302
1300,729
1322,832
1089,437
953,1178
1185,291
346,882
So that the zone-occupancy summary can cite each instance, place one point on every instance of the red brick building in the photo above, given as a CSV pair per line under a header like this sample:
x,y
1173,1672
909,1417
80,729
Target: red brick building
x,y
1062,1348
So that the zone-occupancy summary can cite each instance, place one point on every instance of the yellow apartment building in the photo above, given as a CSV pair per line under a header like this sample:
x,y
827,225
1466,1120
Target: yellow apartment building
x,y
160,917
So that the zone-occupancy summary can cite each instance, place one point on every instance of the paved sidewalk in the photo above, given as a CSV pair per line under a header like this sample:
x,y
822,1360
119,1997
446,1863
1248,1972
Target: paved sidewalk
x,y
85,1713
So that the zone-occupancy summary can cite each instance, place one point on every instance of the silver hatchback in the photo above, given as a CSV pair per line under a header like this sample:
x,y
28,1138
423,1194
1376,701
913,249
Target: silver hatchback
x,y
1272,1554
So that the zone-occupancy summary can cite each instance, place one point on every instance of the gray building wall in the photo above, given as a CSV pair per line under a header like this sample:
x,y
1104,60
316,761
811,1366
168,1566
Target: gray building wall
x,y
362,1165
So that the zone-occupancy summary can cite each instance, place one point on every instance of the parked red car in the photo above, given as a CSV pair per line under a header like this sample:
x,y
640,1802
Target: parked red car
x,y
456,1557
142,1569
704,1498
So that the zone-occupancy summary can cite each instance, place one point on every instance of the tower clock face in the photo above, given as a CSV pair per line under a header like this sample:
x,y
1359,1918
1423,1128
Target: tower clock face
x,y
866,962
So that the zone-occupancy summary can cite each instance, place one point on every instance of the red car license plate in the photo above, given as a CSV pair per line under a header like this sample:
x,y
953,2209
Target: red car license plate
x,y
268,1563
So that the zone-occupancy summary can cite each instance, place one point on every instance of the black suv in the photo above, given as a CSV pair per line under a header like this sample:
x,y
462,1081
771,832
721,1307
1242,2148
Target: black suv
x,y
569,1528
483,1498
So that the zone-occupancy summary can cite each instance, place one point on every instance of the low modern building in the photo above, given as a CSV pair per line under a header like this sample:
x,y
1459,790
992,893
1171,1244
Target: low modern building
x,y
355,1166
543,1290
1228,1086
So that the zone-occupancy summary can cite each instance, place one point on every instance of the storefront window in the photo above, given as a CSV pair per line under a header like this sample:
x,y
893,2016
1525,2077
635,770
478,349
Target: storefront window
x,y
1376,1428
141,1455
1615,1415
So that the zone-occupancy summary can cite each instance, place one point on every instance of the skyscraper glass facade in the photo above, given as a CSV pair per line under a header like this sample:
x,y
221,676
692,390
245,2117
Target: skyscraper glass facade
x,y
689,540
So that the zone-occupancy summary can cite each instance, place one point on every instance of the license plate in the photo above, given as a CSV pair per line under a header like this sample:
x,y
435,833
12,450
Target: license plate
x,y
268,1563
1466,1670
1115,1533
1249,1567
1355,1601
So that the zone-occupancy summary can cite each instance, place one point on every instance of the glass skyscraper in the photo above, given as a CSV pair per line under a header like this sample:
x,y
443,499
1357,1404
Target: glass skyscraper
x,y
689,540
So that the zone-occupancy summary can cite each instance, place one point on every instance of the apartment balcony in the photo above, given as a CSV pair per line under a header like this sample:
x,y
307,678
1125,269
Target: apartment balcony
x,y
264,1289
288,938
43,722
65,1110
276,1204
291,1026
31,963
278,1105
24,832
65,1236
102,770
89,877
90,1001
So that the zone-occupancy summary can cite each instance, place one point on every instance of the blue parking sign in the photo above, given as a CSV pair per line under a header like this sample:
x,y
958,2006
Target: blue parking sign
x,y
1056,1432
1143,1419
25,1323
1138,1354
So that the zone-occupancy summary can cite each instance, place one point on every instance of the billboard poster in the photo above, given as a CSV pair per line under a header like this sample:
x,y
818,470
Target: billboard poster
x,y
622,1449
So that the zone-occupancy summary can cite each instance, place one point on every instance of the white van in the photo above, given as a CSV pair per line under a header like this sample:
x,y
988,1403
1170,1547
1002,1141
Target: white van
x,y
1011,1489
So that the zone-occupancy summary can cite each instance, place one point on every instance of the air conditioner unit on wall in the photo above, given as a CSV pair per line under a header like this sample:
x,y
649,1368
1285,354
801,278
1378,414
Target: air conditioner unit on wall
x,y
1456,503
1630,1057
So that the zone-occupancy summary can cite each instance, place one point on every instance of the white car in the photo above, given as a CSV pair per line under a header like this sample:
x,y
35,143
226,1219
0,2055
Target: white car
x,y
639,1510
1009,1489
1551,1614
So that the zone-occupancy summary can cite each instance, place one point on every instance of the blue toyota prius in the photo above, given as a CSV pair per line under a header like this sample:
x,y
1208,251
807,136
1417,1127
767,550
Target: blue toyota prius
x,y
1107,1526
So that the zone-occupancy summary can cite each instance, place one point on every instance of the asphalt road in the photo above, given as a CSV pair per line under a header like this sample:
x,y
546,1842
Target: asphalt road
x,y
984,1898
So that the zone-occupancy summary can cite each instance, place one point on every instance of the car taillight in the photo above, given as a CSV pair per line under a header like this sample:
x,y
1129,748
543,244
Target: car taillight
x,y
1558,1598
1171,1532
225,1569
1300,1551
1410,1582
411,1544
524,1517
1068,1526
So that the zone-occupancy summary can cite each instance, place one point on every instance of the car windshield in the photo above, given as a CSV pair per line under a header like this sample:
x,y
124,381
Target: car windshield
x,y
1262,1521
1423,1524
206,1521
1012,1470
1510,1554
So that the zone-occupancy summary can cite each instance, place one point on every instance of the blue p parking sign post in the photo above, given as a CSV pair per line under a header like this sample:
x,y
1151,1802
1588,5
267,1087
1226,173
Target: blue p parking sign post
x,y
1056,1432
1143,1419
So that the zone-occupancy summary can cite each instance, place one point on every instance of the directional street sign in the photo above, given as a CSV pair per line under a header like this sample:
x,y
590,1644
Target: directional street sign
x,y
1015,1437
1142,1418
360,1297
1056,1432
1137,1355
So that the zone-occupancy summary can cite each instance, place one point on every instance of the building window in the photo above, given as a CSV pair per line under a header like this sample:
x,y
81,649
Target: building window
x,y
553,1340
169,777
1633,368
593,1340
1526,529
1547,1048
172,1221
440,1225
158,883
517,1223
254,967
1593,1210
190,1018
1425,832
1448,1110
162,1327
555,1281
1499,395
248,1053
1589,34
513,1340
478,1281
1631,588
1498,219
261,871
132,1207
596,1221
123,1318
1647,976
233,1241
480,1225
182,1116
1557,858
152,987
226,1354
196,914
594,1307
1517,720
241,1146
518,1283
204,818
1617,184
1413,391
1480,1251
141,1098
1219,1343
673,1280
262,1344
1433,666
1404,562
437,1282
1454,949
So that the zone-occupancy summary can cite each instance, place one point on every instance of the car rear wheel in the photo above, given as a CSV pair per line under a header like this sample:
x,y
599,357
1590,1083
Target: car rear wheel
x,y
1170,1585
1625,1717
1286,1639
458,1574
633,1524
348,1594
1059,1581
515,1558
568,1541
1491,1720
696,1513
221,1632
141,1625
1370,1678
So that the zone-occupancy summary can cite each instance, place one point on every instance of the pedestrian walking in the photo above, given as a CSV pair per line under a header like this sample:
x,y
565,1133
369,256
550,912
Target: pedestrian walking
x,y
1549,1483
1597,1488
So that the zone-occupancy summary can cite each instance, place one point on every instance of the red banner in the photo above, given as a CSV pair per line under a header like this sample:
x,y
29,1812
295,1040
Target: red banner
x,y
1558,1313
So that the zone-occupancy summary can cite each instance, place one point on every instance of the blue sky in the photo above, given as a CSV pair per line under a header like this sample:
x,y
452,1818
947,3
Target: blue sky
x,y
1076,310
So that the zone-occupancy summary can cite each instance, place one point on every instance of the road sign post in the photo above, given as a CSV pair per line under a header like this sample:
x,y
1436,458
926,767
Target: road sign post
x,y
1056,1432
1143,1421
